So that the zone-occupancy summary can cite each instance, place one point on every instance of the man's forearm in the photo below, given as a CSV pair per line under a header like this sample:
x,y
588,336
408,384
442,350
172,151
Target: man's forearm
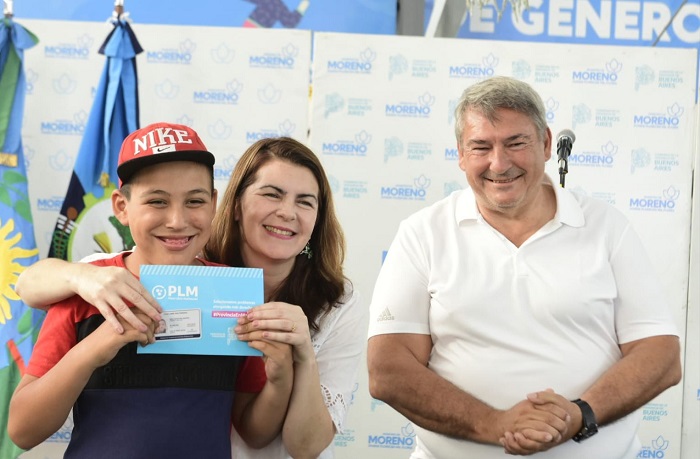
x,y
647,368
431,402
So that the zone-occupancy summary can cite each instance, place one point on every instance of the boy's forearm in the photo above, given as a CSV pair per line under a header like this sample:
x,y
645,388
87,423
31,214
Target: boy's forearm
x,y
46,282
40,406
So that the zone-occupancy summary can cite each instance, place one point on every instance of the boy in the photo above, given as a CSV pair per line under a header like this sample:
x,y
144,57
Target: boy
x,y
144,406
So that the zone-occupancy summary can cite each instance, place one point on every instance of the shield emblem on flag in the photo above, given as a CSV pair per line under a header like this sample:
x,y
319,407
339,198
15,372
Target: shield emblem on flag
x,y
86,223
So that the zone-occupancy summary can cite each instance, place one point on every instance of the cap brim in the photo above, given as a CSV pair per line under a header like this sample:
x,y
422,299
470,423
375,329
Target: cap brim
x,y
127,170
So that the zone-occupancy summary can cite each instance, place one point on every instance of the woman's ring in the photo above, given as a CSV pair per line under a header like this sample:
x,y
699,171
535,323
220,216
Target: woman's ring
x,y
294,326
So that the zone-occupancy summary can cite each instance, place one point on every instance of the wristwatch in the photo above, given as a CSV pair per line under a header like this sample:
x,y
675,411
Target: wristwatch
x,y
590,426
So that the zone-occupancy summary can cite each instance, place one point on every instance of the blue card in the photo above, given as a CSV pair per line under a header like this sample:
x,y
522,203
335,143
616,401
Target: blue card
x,y
201,307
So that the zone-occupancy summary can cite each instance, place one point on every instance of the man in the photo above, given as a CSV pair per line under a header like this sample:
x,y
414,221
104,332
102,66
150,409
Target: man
x,y
516,317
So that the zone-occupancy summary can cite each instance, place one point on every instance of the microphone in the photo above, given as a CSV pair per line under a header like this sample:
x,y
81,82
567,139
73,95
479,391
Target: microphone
x,y
565,141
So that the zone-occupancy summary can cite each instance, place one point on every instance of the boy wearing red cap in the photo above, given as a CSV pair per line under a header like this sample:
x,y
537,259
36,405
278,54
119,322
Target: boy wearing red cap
x,y
129,405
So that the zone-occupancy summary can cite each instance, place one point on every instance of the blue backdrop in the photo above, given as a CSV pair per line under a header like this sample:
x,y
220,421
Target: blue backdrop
x,y
361,16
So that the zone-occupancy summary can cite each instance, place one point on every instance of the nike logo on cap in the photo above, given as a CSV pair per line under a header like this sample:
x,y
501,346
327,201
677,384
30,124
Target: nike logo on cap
x,y
164,148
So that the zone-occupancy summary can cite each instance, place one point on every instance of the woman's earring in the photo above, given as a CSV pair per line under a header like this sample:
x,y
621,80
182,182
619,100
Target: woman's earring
x,y
307,251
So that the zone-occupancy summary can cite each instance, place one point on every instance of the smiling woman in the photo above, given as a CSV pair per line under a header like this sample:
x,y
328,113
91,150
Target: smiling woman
x,y
278,215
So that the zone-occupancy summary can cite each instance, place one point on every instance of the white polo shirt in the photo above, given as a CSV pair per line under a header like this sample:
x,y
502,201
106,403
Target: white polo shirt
x,y
506,321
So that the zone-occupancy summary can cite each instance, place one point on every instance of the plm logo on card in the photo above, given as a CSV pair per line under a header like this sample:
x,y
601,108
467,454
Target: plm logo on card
x,y
669,120
356,147
228,95
78,50
181,55
657,450
76,126
606,157
605,76
486,69
664,203
415,192
404,440
421,109
284,59
355,65
175,292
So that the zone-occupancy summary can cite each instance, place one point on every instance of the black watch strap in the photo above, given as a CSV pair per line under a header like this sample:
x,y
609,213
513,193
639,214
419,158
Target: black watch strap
x,y
590,425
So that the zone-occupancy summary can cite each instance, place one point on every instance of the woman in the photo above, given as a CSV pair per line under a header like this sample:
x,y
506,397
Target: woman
x,y
276,214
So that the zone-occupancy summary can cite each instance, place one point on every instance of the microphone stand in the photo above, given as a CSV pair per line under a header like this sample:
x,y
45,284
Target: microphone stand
x,y
563,170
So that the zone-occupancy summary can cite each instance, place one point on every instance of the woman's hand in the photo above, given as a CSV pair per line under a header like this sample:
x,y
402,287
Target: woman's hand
x,y
109,288
281,323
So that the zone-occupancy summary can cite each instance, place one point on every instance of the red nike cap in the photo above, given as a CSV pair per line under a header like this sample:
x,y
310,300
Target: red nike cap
x,y
159,143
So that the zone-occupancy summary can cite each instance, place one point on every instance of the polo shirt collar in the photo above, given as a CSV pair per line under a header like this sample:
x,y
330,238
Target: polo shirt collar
x,y
569,211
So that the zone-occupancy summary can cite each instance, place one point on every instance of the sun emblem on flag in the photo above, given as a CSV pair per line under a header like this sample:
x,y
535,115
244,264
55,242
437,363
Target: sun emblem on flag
x,y
10,269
